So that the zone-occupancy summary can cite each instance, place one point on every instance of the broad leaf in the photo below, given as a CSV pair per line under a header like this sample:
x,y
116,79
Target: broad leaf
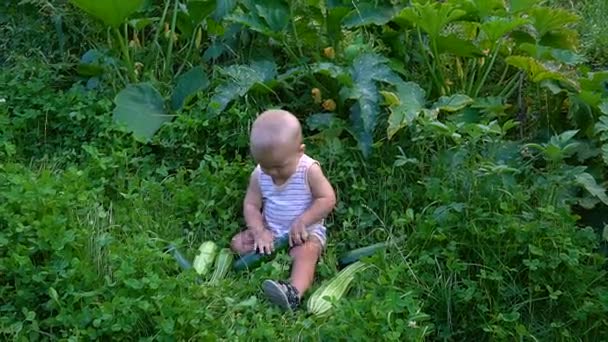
x,y
457,46
325,68
491,106
537,71
547,19
589,183
549,53
597,82
521,5
496,28
223,8
200,9
452,103
333,22
240,79
367,14
410,101
110,12
367,69
603,107
141,108
187,85
482,8
432,16
275,13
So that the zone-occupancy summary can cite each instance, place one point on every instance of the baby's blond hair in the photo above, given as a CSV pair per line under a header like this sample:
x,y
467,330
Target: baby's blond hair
x,y
275,127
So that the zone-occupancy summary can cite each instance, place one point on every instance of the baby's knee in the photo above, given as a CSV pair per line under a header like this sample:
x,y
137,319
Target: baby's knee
x,y
310,250
241,243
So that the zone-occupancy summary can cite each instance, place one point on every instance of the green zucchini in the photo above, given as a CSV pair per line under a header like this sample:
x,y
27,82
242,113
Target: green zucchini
x,y
222,264
335,288
364,252
360,253
204,260
254,259
181,260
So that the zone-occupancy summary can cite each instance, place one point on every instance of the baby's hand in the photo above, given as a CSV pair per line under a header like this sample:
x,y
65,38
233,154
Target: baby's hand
x,y
263,241
298,233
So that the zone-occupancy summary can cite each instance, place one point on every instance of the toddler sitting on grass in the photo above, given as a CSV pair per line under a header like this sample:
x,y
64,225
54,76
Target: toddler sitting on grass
x,y
288,194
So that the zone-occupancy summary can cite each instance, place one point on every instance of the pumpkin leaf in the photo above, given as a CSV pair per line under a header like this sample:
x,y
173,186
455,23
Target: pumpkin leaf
x,y
367,69
431,17
452,103
188,84
368,14
549,53
521,5
547,19
110,12
410,102
496,28
457,46
537,71
240,79
141,108
589,183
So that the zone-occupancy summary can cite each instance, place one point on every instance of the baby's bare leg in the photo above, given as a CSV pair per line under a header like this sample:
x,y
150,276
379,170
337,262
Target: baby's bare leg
x,y
305,259
242,242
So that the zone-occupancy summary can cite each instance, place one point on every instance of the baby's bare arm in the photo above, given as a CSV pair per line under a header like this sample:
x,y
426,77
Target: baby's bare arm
x,y
252,205
323,194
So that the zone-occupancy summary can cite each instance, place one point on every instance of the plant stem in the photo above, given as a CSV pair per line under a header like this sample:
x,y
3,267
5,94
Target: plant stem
x,y
171,34
426,59
437,67
488,69
187,57
125,53
295,31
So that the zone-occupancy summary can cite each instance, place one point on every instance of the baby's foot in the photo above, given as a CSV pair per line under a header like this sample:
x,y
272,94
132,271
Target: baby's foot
x,y
282,294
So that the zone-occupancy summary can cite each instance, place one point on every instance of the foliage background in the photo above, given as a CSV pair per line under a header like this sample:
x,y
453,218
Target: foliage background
x,y
487,155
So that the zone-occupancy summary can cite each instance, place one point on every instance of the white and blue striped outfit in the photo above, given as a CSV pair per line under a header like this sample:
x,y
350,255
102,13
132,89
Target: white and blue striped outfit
x,y
284,203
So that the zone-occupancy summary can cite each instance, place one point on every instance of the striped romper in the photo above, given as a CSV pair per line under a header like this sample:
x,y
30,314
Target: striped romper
x,y
285,203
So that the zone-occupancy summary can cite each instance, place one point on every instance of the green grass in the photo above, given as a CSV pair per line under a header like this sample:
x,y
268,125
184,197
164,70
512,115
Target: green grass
x,y
492,249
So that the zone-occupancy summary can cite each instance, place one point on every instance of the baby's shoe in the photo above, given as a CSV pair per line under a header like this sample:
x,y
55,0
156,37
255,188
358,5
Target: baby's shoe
x,y
282,294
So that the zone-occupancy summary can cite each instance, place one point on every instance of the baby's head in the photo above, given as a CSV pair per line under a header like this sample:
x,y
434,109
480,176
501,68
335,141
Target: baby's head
x,y
276,143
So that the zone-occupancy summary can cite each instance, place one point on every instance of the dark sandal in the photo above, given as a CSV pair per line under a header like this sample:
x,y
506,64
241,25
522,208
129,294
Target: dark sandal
x,y
282,294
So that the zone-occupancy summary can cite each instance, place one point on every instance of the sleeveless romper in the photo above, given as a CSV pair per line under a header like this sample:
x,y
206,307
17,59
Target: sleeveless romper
x,y
281,205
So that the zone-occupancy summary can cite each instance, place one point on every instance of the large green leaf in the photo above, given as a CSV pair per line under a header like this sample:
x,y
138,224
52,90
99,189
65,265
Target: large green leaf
x,y
275,13
537,71
589,183
453,103
200,9
457,46
408,105
481,8
188,84
141,108
549,53
110,12
324,68
367,69
240,79
432,16
223,8
597,82
368,14
496,28
547,19
521,5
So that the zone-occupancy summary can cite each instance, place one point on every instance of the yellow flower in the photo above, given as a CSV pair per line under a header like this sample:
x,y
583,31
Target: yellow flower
x,y
329,52
329,105
316,95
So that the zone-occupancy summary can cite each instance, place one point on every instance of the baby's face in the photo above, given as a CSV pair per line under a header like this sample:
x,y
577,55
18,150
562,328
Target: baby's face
x,y
280,162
